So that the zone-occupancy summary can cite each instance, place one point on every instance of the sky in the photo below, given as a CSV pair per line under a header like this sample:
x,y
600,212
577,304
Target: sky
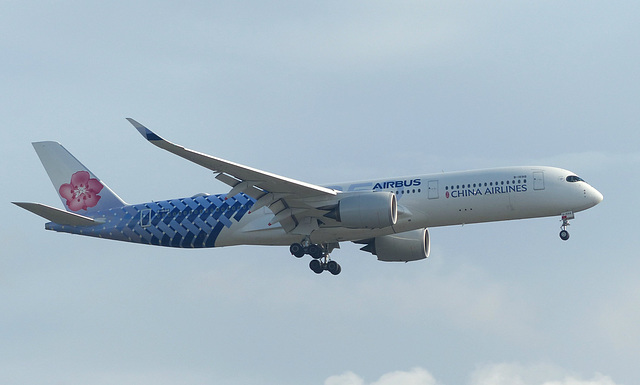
x,y
322,92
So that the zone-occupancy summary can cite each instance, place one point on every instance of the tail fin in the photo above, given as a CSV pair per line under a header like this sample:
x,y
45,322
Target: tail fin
x,y
79,189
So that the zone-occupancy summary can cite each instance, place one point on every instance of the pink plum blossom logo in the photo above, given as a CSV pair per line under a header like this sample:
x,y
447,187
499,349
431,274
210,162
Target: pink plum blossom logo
x,y
82,192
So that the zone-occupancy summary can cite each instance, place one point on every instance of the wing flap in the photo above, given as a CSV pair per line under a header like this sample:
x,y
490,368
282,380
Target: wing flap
x,y
58,216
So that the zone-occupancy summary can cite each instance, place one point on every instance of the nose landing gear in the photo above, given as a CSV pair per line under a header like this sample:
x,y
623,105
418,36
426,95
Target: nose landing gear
x,y
320,254
564,234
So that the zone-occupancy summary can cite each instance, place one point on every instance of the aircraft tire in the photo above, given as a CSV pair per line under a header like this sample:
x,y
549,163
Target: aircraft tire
x,y
314,251
564,235
316,266
297,250
333,267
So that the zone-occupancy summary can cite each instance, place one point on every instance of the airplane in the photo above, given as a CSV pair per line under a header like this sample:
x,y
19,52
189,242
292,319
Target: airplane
x,y
390,216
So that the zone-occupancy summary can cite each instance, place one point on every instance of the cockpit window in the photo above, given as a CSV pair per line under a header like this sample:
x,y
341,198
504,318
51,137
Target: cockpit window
x,y
574,178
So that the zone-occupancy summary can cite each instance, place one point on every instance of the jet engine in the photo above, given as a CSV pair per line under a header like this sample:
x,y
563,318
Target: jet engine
x,y
402,247
371,210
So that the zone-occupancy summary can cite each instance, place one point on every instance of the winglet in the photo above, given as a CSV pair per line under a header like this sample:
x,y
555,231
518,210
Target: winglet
x,y
144,131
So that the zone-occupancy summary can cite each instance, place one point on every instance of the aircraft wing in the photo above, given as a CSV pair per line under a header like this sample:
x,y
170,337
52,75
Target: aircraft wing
x,y
290,200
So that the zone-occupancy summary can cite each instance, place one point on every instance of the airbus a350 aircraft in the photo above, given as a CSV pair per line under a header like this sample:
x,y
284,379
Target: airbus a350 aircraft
x,y
389,216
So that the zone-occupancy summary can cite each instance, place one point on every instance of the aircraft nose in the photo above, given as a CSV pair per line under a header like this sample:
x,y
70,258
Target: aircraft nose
x,y
596,196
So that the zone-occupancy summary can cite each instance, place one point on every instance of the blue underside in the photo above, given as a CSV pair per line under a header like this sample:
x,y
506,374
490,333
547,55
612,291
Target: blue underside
x,y
188,222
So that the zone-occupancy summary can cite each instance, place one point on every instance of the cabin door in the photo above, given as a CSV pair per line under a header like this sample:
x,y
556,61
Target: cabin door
x,y
538,180
145,217
433,189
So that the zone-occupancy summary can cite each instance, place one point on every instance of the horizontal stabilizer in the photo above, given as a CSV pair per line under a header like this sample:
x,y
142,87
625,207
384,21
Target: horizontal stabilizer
x,y
58,216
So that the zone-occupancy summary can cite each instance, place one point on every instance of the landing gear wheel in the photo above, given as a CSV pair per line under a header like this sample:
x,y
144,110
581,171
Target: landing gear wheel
x,y
297,250
333,267
566,216
320,254
316,266
315,251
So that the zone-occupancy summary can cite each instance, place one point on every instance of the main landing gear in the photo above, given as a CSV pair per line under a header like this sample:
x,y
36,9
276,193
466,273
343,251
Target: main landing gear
x,y
564,234
320,254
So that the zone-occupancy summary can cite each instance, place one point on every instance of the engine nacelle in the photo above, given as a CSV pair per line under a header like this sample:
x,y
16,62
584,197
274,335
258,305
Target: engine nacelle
x,y
371,210
402,247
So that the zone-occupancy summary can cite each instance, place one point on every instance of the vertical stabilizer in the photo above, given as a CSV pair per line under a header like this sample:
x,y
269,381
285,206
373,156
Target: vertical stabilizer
x,y
79,189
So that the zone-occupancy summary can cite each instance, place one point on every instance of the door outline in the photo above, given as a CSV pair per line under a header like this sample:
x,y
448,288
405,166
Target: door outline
x,y
538,180
432,189
145,218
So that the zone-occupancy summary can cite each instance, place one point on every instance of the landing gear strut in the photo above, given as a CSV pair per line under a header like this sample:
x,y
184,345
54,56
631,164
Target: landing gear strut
x,y
320,254
564,234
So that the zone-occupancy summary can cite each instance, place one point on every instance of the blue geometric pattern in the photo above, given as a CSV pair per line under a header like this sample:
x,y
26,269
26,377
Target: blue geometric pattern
x,y
192,222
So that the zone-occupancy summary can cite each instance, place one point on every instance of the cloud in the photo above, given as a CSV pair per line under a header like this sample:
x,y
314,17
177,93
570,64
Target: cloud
x,y
416,376
495,374
534,374
348,378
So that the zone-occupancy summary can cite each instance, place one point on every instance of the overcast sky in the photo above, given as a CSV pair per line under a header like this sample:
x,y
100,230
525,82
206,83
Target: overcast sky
x,y
322,92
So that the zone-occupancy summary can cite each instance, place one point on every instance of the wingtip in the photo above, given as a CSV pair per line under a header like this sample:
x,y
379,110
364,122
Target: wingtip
x,y
144,131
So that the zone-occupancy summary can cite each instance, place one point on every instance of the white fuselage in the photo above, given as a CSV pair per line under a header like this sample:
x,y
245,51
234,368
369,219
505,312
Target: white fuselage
x,y
443,199
390,216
